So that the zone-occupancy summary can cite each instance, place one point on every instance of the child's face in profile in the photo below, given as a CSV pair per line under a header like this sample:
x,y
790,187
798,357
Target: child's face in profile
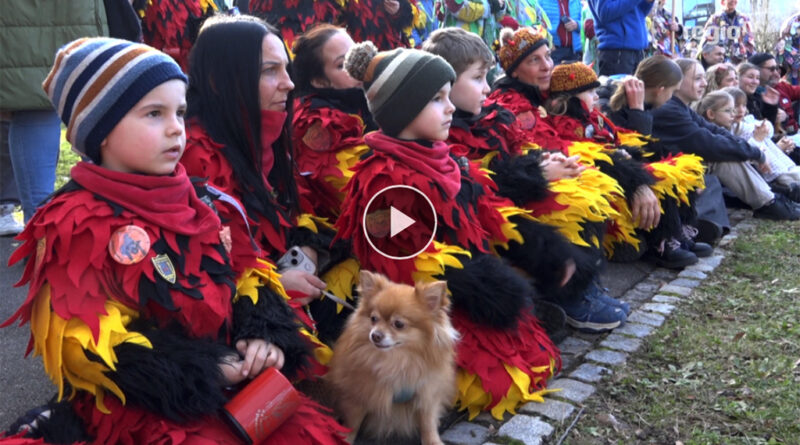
x,y
739,111
589,98
150,138
470,89
723,116
660,95
433,122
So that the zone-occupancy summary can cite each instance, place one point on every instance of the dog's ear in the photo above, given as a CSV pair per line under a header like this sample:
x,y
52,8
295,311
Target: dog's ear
x,y
369,283
433,294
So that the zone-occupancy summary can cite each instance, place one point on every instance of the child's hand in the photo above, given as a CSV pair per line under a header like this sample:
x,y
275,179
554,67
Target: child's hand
x,y
258,356
391,6
761,131
302,282
786,145
231,369
764,168
634,90
560,167
645,208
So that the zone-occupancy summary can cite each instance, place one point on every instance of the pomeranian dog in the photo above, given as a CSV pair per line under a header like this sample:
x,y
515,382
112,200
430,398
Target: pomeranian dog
x,y
393,368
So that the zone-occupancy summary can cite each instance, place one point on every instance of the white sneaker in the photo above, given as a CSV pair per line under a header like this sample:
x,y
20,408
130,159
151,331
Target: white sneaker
x,y
8,224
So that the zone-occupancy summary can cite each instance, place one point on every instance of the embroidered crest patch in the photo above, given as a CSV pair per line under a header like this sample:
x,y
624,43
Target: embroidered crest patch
x,y
164,267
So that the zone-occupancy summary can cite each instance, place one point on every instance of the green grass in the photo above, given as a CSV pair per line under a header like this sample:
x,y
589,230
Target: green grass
x,y
66,159
725,368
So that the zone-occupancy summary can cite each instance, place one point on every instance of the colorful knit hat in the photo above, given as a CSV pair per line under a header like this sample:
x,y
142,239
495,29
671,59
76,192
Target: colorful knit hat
x,y
573,78
94,82
398,83
516,45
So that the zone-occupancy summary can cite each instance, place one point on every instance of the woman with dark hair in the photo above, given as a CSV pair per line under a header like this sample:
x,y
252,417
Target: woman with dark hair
x,y
331,117
238,138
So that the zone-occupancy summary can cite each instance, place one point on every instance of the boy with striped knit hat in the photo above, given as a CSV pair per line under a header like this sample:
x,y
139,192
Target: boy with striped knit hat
x,y
132,301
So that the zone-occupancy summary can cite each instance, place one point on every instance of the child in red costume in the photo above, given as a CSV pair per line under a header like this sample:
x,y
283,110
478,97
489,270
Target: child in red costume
x,y
573,112
330,118
238,139
525,56
559,191
504,356
132,300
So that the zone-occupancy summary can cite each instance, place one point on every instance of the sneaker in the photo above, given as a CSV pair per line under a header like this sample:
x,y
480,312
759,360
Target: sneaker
x,y
780,209
673,256
699,249
794,192
9,226
708,232
593,316
595,292
552,318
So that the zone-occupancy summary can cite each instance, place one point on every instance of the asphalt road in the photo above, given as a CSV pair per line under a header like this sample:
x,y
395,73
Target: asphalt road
x,y
23,383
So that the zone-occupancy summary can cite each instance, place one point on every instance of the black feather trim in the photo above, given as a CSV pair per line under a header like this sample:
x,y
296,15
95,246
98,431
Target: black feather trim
x,y
61,425
329,323
520,178
489,291
179,378
629,173
543,255
669,226
271,319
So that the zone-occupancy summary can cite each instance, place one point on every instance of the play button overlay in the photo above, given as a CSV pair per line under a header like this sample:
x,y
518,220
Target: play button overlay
x,y
399,222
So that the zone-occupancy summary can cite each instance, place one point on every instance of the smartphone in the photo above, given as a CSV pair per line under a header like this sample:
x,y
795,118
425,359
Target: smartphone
x,y
294,258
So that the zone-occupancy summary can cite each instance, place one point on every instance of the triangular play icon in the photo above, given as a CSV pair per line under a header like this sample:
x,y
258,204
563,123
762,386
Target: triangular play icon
x,y
398,221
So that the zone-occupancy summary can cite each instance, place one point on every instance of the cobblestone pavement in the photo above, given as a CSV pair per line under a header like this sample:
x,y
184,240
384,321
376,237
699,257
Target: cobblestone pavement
x,y
589,358
652,292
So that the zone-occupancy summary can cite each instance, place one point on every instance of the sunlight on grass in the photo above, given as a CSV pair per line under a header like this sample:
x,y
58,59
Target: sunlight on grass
x,y
66,159
725,368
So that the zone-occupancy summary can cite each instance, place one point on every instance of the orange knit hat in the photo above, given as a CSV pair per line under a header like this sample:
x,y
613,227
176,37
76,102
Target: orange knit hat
x,y
516,45
572,78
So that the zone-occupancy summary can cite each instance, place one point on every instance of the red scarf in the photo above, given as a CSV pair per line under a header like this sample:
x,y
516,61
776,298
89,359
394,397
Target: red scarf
x,y
166,201
271,127
434,162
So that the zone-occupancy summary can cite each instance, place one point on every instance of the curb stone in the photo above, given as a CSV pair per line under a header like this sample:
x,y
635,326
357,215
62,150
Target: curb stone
x,y
654,298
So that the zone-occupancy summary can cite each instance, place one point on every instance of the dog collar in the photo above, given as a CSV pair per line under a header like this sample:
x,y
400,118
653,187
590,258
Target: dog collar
x,y
403,396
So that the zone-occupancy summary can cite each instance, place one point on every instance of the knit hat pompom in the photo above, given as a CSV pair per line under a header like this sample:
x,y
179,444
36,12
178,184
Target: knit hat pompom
x,y
94,82
357,59
517,45
398,84
572,78
506,36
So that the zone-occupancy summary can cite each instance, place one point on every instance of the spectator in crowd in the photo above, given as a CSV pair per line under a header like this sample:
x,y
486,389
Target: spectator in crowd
x,y
728,157
788,95
666,31
783,174
588,37
711,54
9,198
739,44
621,34
35,128
720,76
761,102
383,22
477,16
565,20
788,48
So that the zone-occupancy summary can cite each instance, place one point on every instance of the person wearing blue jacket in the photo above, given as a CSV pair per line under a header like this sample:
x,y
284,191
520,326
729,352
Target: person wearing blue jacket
x,y
621,34
565,27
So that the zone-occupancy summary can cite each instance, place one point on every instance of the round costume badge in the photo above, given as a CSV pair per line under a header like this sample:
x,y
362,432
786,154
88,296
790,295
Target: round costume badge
x,y
129,244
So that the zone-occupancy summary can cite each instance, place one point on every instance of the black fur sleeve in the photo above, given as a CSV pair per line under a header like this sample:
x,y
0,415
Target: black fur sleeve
x,y
179,378
520,179
329,253
543,255
628,172
489,291
271,319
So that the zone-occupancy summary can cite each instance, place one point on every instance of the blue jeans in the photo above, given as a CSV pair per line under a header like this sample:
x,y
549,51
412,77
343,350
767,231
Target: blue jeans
x,y
618,61
34,138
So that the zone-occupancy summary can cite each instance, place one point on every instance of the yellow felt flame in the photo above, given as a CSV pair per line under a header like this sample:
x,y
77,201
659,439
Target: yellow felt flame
x,y
429,265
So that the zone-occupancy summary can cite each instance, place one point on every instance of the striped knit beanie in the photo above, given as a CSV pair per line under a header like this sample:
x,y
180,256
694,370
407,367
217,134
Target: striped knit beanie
x,y
398,83
94,82
573,78
515,46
